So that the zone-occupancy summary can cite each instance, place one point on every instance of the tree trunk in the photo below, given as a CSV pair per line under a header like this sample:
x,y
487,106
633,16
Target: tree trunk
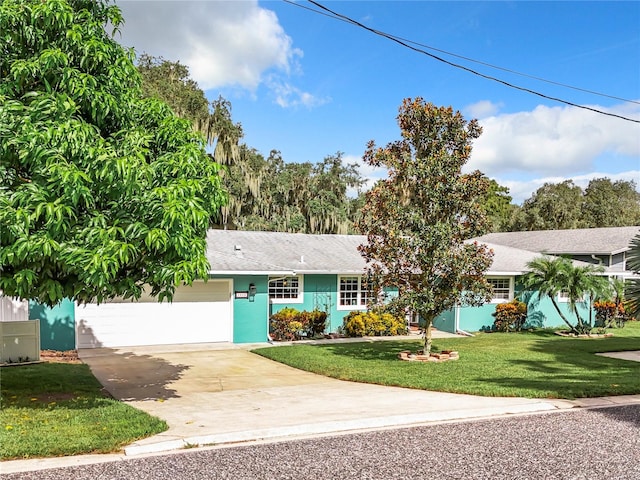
x,y
580,323
427,335
564,319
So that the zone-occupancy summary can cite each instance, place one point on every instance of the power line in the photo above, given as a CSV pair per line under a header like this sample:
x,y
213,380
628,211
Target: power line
x,y
479,62
409,44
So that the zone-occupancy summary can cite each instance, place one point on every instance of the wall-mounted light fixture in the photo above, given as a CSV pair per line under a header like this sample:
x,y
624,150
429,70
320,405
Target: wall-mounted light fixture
x,y
252,289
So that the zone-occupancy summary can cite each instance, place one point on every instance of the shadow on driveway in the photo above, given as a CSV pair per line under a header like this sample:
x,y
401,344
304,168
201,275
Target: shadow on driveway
x,y
132,377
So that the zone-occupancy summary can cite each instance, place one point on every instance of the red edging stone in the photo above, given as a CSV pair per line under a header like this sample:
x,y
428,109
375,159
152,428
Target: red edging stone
x,y
445,355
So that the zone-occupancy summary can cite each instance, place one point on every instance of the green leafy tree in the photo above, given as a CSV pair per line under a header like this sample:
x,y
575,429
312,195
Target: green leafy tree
x,y
498,207
101,190
553,206
170,82
264,194
551,275
417,220
632,287
564,205
611,204
293,197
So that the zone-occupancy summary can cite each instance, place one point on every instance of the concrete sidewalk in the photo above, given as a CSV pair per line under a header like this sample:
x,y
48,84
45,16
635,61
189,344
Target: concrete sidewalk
x,y
214,394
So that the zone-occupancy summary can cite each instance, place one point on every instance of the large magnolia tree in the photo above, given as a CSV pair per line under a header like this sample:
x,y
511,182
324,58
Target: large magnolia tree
x,y
417,220
101,190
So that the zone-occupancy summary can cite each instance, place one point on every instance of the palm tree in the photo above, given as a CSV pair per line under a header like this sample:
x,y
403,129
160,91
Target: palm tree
x,y
632,287
584,282
546,276
550,276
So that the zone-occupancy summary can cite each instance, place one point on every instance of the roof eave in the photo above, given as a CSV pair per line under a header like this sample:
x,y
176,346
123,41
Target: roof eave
x,y
252,272
604,252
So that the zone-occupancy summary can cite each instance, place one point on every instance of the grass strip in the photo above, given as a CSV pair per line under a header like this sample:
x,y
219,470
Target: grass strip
x,y
535,364
57,409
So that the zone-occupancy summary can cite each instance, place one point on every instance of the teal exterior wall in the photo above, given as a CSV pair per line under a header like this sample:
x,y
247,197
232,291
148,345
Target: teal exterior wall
x,y
446,321
320,292
57,325
249,314
540,314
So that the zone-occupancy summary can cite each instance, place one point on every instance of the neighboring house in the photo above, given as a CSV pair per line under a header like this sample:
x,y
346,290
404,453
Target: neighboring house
x,y
255,274
600,246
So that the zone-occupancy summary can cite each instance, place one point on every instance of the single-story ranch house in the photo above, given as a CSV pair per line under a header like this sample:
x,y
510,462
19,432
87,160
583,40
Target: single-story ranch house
x,y
255,274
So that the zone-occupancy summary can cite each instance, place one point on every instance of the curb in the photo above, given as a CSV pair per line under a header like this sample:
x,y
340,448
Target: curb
x,y
178,445
335,427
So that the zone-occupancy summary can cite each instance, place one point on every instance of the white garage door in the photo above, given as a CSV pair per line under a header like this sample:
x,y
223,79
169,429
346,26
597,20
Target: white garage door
x,y
201,313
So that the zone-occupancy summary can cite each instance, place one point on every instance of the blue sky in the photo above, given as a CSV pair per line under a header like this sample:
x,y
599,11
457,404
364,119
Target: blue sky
x,y
309,85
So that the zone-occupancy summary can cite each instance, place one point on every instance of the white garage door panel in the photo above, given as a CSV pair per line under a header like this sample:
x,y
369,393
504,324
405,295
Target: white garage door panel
x,y
200,313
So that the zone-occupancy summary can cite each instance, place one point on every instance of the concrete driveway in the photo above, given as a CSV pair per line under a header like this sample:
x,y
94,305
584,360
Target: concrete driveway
x,y
217,394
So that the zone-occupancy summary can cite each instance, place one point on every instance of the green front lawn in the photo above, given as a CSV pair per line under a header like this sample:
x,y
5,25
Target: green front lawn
x,y
56,409
531,364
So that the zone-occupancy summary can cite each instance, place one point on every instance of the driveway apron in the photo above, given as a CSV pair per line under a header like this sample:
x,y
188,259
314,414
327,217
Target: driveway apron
x,y
215,394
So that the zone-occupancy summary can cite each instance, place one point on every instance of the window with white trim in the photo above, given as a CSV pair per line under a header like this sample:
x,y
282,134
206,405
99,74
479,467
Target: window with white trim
x,y
502,289
285,289
352,293
563,296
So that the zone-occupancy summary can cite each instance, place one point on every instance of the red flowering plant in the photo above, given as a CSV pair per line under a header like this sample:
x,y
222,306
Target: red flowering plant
x,y
510,317
609,313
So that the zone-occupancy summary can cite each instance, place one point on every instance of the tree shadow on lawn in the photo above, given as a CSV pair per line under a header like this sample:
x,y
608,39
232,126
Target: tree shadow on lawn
x,y
384,350
571,368
575,371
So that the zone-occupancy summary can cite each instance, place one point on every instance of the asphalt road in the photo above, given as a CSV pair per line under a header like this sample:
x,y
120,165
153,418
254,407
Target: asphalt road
x,y
574,445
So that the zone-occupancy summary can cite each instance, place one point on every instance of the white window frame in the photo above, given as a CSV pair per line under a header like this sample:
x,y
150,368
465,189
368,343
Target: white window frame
x,y
510,294
359,294
564,298
298,299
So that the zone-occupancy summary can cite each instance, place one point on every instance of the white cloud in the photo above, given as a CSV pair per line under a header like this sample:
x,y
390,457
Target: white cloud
x,y
521,190
224,43
554,141
482,109
287,95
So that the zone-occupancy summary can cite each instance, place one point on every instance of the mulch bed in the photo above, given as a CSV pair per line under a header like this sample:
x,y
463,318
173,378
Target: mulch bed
x,y
585,335
54,356
443,356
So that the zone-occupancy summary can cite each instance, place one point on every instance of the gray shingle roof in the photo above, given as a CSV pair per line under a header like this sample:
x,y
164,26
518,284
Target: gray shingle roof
x,y
509,260
234,251
275,252
602,241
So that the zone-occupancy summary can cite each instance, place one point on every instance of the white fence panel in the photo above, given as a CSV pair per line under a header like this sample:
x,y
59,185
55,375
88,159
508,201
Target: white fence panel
x,y
13,309
20,341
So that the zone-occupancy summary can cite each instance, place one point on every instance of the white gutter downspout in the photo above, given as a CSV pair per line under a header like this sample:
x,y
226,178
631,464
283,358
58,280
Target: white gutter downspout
x,y
456,316
457,323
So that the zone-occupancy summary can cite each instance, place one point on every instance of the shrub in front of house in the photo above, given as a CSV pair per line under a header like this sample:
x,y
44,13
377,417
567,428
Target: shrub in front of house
x,y
606,311
510,317
373,324
609,314
291,324
315,322
280,327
